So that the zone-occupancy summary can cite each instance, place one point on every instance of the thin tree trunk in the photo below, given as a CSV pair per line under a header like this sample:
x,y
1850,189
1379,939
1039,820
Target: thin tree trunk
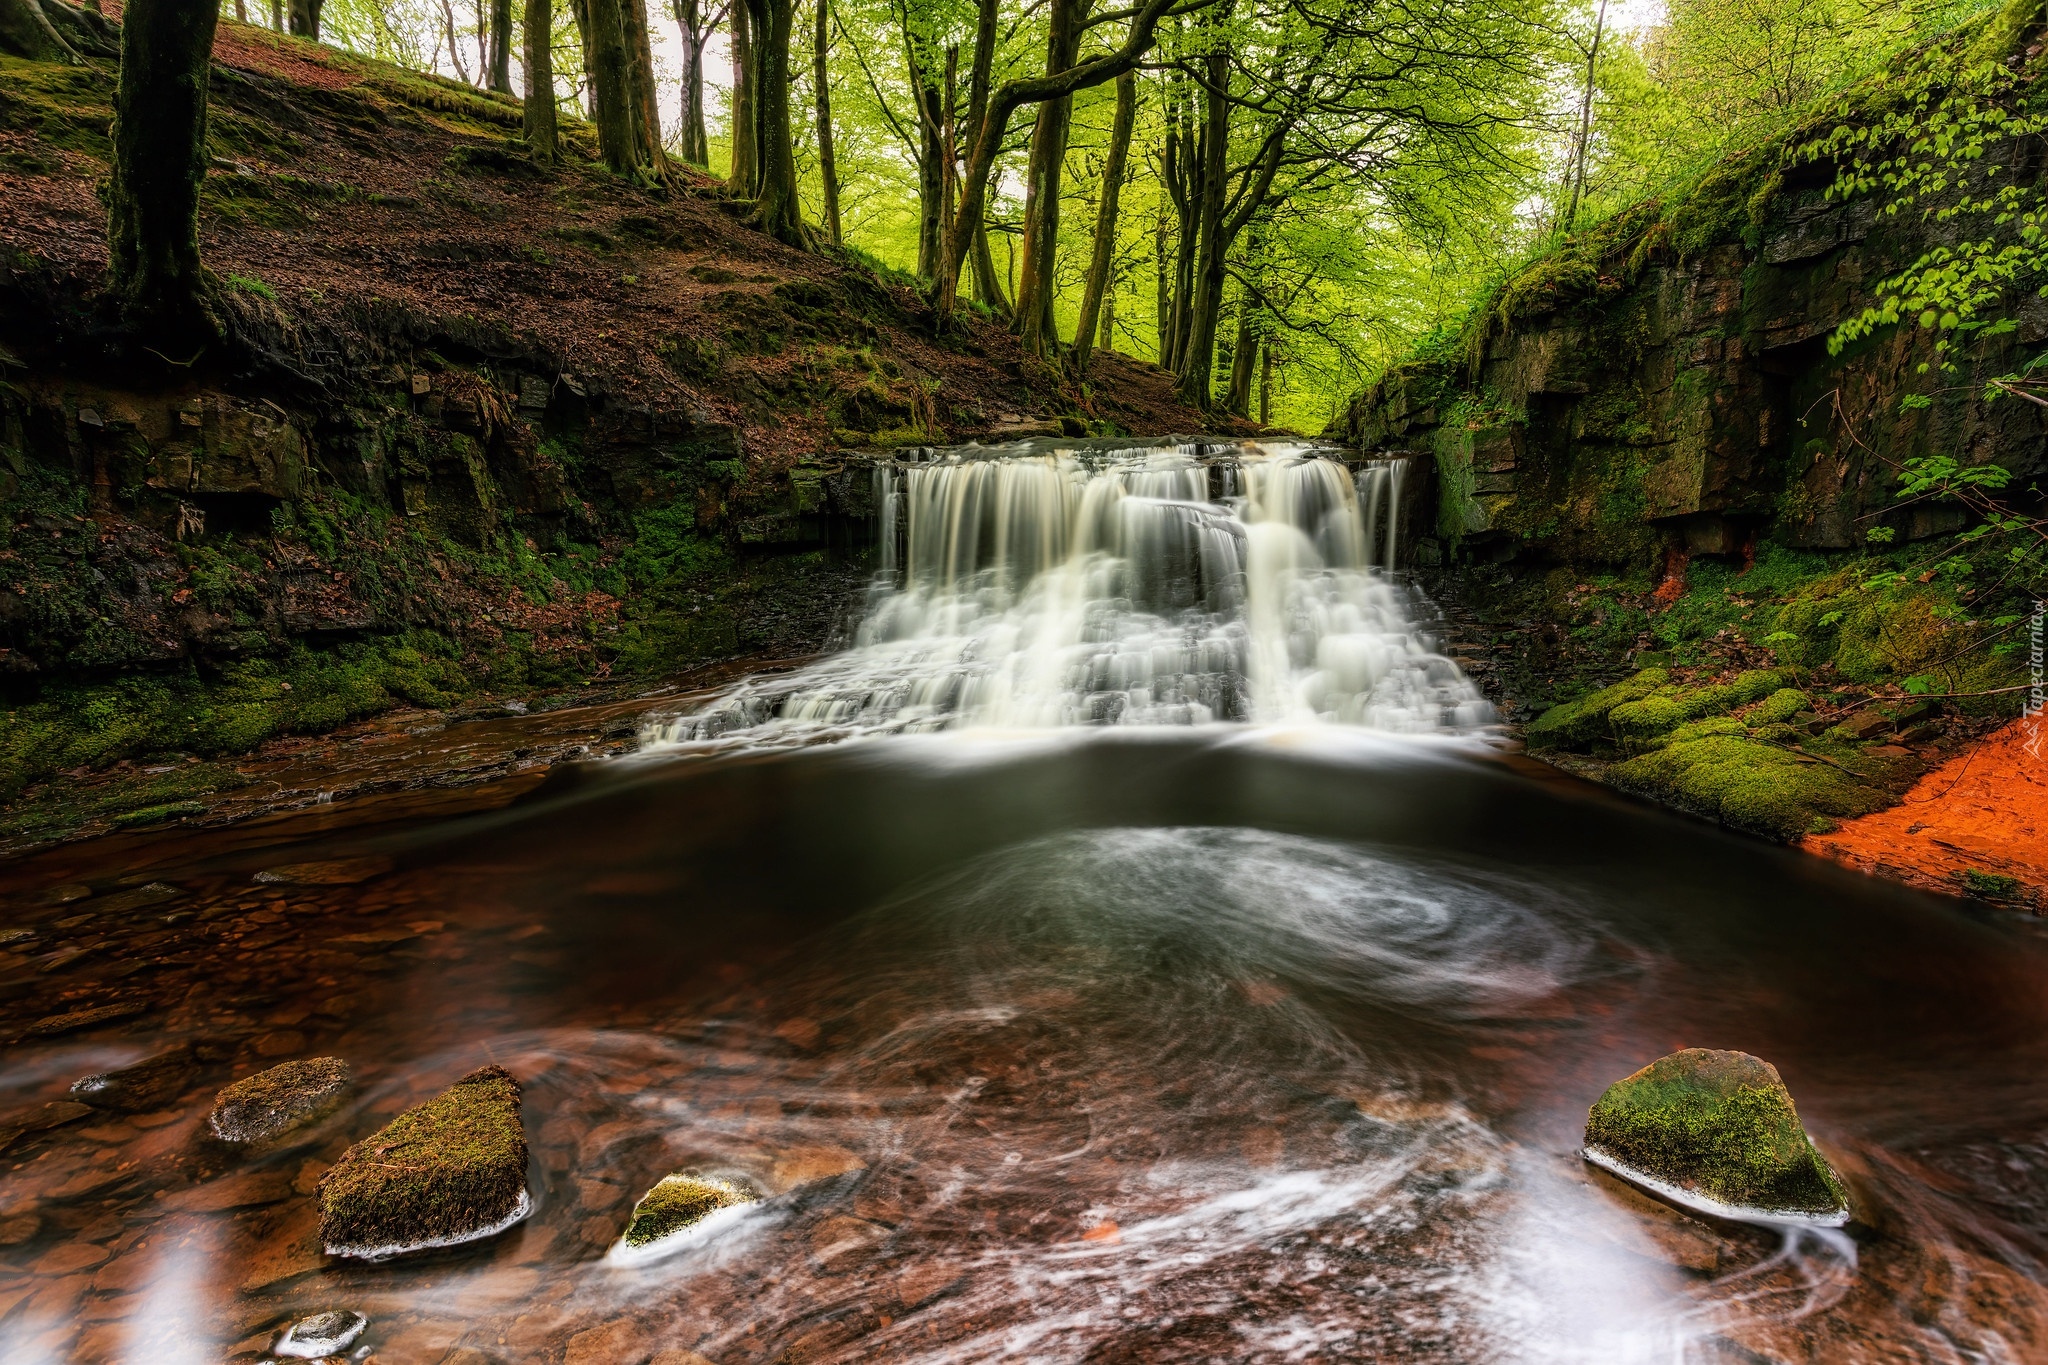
x,y
27,32
988,286
697,30
821,84
501,46
743,177
1162,303
931,164
1200,357
610,63
1036,327
1571,213
540,80
241,11
1243,358
1106,341
777,209
1105,217
447,32
277,15
156,279
646,93
1266,383
305,17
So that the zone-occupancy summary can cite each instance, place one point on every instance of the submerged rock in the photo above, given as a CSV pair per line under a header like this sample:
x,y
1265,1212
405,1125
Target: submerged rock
x,y
450,1170
147,1084
323,1334
1717,1130
269,1104
680,1202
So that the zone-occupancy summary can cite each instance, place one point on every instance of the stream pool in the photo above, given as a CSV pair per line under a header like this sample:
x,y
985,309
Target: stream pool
x,y
1163,1045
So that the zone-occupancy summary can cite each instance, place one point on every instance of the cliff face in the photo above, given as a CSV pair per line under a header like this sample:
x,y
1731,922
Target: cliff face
x,y
1664,383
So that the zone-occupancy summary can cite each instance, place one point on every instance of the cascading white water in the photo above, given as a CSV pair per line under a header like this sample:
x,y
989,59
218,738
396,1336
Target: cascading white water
x,y
1144,586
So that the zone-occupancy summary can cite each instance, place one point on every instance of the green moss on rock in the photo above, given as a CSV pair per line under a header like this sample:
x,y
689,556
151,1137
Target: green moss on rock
x,y
1748,785
1777,708
1580,722
679,1202
270,1104
1669,707
1717,1124
450,1170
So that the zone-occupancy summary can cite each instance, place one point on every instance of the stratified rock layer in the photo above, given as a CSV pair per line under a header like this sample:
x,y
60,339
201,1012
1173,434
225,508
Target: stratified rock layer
x,y
447,1171
269,1104
1719,1125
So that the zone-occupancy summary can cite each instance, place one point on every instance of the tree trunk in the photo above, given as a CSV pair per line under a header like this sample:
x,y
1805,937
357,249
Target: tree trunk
x,y
777,210
277,15
155,276
610,63
1200,358
1162,302
697,30
540,80
27,32
1035,323
821,84
646,93
305,17
1243,357
1105,218
988,285
241,11
1106,339
743,177
1266,383
931,169
500,65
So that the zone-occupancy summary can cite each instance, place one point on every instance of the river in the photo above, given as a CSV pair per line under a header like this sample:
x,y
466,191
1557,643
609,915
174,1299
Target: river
x,y
1166,965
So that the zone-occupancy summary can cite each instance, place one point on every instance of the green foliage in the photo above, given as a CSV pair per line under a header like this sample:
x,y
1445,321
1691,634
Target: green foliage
x,y
1990,886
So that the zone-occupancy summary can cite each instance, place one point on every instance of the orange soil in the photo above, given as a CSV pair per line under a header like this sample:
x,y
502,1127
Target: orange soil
x,y
1983,811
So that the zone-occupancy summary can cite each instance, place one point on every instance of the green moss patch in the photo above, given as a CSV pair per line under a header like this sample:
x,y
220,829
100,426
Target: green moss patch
x,y
1671,706
447,1171
1578,723
269,1104
679,1202
1717,1124
1749,785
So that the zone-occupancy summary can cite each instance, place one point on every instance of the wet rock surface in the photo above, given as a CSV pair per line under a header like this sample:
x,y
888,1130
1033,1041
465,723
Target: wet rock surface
x,y
1716,1125
145,1085
680,1202
448,1171
323,1334
266,1106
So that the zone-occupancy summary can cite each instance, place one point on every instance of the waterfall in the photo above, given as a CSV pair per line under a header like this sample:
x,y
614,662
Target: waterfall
x,y
1172,585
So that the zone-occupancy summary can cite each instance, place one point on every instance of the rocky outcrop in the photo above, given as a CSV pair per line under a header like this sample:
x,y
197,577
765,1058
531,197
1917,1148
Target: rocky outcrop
x,y
1718,1131
1662,384
448,1171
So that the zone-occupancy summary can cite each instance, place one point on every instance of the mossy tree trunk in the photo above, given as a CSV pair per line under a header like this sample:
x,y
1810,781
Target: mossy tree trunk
x,y
305,17
1105,218
610,64
498,71
777,210
540,80
744,176
1198,359
1266,382
821,86
1243,356
156,280
27,32
646,108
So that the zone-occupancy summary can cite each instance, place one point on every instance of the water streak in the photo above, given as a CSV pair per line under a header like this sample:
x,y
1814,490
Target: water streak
x,y
1176,585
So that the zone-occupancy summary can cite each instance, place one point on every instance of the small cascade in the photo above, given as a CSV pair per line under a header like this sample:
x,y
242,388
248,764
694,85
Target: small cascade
x,y
1175,585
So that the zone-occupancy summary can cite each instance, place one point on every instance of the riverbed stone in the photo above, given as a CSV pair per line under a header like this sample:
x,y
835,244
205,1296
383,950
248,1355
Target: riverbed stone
x,y
323,1334
679,1202
266,1106
141,1086
1718,1125
450,1170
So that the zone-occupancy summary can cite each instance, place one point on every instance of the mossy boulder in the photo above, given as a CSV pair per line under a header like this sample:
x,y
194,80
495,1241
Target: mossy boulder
x,y
1714,1126
680,1202
266,1106
1579,723
447,1171
1748,785
1669,707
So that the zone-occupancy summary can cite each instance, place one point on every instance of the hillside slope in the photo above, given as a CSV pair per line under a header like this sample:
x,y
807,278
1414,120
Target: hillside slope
x,y
484,429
